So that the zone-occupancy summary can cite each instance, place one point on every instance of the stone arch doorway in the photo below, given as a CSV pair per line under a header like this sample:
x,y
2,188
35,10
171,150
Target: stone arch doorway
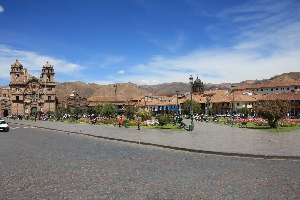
x,y
33,111
5,113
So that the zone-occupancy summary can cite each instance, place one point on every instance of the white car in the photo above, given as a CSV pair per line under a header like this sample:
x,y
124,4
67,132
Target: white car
x,y
3,125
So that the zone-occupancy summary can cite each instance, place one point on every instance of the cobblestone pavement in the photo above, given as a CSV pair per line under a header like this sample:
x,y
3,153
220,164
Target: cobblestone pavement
x,y
37,163
205,138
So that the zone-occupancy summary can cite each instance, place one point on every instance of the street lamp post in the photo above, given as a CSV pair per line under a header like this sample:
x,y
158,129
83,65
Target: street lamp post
x,y
208,98
74,96
145,101
177,110
177,107
115,86
232,89
49,99
191,105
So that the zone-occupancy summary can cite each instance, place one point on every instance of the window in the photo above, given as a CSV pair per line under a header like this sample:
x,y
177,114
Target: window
x,y
49,98
271,89
288,88
238,104
261,89
17,98
276,88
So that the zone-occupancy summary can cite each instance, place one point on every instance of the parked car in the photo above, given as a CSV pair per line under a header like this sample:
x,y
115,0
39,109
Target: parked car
x,y
3,125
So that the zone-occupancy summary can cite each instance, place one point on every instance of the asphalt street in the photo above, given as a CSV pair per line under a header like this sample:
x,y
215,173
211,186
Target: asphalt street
x,y
40,163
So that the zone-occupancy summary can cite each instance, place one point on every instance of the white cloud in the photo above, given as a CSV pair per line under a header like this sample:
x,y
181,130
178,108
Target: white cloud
x,y
34,62
1,9
121,72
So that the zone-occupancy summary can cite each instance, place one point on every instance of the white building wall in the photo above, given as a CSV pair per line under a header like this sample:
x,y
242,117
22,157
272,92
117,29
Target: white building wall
x,y
270,90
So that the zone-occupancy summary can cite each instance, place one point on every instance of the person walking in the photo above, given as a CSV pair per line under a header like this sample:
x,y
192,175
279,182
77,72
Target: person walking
x,y
121,121
139,120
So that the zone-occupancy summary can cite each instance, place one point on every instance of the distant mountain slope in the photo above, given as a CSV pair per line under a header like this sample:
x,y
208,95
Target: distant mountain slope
x,y
125,91
167,88
287,77
63,90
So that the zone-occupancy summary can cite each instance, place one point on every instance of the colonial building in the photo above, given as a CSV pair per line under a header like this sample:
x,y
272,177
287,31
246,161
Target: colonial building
x,y
74,102
28,95
269,88
5,103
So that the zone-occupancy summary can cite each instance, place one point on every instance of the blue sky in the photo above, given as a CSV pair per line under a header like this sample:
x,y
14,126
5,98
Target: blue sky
x,y
151,42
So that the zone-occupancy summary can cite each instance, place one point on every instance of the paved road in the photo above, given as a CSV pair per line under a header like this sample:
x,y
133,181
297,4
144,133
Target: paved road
x,y
48,164
206,138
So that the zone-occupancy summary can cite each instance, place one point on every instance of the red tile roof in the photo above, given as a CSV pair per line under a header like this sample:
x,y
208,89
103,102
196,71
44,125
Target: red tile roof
x,y
281,95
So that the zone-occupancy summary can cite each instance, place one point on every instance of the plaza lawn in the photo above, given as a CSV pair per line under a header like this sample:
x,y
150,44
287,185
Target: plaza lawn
x,y
166,127
251,125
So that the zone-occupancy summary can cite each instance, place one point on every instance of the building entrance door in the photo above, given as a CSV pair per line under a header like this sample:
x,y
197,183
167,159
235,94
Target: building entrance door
x,y
5,113
33,111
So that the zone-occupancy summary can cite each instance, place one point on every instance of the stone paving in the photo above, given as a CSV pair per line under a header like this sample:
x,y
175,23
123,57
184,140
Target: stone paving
x,y
37,163
205,138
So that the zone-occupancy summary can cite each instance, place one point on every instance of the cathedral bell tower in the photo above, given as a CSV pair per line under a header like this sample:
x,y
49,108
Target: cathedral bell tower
x,y
17,73
17,85
48,83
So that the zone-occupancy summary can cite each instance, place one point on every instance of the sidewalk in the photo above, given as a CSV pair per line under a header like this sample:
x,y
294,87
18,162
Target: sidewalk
x,y
205,138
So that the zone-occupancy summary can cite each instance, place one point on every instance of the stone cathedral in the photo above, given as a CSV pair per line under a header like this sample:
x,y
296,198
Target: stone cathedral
x,y
29,95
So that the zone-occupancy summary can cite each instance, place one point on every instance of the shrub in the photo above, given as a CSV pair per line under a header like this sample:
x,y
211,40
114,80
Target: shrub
x,y
163,120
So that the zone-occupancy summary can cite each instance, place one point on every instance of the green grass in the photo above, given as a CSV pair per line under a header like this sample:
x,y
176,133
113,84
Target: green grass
x,y
251,125
166,127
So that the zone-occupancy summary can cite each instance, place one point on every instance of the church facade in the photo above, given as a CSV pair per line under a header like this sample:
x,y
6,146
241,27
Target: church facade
x,y
29,95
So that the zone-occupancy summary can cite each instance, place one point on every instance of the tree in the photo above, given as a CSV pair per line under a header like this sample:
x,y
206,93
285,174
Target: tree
x,y
129,112
98,108
244,111
78,111
108,110
144,114
59,112
272,110
91,110
216,108
186,107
